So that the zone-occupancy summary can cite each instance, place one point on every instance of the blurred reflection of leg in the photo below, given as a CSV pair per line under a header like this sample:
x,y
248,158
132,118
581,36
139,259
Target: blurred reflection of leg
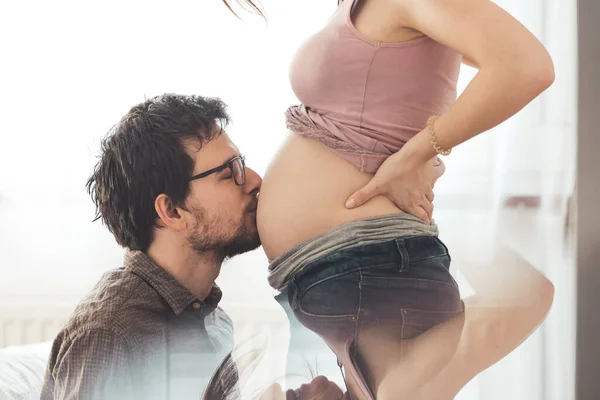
x,y
512,299
398,361
394,358
308,355
386,295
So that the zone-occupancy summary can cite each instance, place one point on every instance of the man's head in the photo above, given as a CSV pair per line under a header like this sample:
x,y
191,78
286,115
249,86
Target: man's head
x,y
142,185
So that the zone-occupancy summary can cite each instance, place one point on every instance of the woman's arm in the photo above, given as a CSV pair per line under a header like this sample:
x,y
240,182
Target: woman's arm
x,y
514,67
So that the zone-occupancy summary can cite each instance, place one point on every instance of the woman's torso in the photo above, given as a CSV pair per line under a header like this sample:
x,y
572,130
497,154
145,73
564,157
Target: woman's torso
x,y
303,195
306,185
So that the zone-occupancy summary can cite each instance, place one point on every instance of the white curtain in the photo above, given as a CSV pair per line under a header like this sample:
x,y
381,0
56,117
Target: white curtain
x,y
511,185
70,69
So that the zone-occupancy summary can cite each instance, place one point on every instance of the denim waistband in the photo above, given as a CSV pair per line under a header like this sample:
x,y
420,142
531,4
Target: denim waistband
x,y
355,233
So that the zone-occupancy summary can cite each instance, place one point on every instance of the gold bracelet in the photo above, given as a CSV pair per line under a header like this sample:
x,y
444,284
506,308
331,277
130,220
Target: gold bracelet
x,y
434,142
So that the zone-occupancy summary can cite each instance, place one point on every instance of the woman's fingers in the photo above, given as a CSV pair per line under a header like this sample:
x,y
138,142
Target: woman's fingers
x,y
428,207
420,213
429,195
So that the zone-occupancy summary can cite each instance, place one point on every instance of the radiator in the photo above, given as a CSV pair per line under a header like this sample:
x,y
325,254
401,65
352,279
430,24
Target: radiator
x,y
31,322
15,332
26,322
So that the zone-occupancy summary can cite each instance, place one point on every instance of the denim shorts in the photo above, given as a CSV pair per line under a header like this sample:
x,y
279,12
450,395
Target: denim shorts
x,y
401,281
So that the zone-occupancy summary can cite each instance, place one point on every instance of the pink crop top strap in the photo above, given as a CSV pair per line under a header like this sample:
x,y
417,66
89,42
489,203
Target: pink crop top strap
x,y
364,99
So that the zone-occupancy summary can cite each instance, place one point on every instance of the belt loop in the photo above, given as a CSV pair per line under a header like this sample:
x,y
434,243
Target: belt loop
x,y
292,296
445,248
404,257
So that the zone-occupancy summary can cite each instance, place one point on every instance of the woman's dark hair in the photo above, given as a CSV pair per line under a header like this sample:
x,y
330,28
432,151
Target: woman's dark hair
x,y
228,380
229,377
245,4
144,156
224,384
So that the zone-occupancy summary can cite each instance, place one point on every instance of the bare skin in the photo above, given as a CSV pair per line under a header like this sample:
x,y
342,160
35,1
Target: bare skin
x,y
320,388
512,300
306,186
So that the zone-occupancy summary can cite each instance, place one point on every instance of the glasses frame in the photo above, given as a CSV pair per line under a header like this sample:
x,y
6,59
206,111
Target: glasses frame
x,y
228,164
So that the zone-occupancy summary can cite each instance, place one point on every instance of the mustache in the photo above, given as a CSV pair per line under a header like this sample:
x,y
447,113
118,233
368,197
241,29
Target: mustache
x,y
253,206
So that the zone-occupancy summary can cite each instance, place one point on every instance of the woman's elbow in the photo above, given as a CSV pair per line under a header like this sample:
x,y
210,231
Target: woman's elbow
x,y
539,72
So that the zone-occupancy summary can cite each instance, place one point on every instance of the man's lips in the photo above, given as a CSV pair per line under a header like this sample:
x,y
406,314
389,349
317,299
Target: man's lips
x,y
254,205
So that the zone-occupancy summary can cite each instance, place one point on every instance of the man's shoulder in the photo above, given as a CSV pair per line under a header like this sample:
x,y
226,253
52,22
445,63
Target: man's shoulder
x,y
117,301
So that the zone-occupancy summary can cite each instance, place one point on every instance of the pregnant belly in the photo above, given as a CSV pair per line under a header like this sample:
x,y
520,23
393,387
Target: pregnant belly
x,y
303,195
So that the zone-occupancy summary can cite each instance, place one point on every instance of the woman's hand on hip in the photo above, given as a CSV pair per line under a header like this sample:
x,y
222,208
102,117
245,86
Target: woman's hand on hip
x,y
406,183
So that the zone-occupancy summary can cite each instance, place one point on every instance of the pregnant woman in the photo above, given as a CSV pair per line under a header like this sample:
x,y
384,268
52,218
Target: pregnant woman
x,y
378,91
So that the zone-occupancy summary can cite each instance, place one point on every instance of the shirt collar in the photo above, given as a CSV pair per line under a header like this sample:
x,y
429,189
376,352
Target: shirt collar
x,y
174,293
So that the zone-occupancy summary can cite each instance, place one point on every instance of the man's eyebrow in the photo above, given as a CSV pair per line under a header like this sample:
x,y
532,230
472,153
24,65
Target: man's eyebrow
x,y
225,163
230,158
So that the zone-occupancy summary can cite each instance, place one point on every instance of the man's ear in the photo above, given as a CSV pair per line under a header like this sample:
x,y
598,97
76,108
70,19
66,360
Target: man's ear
x,y
168,214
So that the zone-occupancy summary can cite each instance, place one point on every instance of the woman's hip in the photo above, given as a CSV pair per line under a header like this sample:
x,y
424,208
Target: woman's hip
x,y
401,281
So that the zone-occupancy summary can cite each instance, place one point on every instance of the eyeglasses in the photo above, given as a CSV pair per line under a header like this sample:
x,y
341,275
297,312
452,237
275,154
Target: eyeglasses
x,y
237,167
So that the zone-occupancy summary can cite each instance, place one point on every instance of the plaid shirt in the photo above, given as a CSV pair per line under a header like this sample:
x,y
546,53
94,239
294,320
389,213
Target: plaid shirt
x,y
139,334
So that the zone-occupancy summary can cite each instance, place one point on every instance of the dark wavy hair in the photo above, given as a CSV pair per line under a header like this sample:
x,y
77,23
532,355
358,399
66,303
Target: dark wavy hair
x,y
228,381
224,384
245,4
143,156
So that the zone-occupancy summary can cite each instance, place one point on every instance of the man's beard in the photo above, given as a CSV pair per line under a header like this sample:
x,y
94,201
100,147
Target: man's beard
x,y
208,237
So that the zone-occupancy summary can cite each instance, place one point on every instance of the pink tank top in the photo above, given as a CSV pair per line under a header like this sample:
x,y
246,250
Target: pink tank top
x,y
364,99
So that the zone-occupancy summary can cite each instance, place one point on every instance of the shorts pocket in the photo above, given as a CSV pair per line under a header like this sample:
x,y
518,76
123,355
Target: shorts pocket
x,y
334,296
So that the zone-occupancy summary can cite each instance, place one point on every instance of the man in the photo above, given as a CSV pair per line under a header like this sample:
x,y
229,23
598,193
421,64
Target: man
x,y
174,191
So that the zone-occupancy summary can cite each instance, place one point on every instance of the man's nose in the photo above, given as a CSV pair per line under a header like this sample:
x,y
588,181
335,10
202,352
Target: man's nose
x,y
253,180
